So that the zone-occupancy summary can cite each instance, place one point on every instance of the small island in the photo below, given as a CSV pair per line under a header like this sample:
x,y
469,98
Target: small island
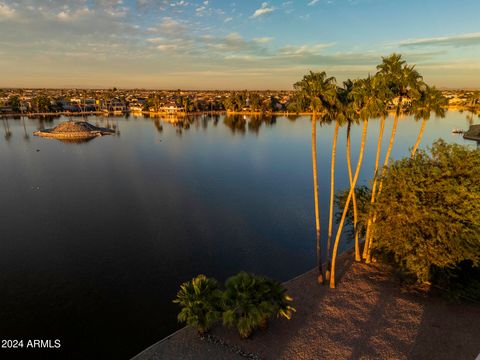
x,y
74,130
473,133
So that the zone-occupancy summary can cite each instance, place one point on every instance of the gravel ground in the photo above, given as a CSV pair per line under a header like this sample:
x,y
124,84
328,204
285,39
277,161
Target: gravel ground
x,y
368,316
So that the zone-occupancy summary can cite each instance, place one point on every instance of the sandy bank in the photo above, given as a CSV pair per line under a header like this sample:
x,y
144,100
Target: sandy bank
x,y
368,316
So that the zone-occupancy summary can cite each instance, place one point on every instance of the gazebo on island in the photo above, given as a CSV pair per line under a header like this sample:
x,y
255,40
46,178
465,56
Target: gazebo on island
x,y
73,131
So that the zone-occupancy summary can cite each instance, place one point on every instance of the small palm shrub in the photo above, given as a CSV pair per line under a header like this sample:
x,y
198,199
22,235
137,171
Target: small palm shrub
x,y
276,294
249,301
200,303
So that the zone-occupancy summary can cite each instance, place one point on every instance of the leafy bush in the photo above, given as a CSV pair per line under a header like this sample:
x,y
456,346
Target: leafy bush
x,y
461,282
200,302
428,212
249,301
274,292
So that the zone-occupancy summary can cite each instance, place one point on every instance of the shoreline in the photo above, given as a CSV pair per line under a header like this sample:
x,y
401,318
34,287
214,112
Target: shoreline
x,y
60,113
83,113
183,114
344,260
369,315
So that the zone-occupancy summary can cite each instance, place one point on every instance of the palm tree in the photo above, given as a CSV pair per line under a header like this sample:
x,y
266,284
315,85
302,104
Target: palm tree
x,y
249,301
375,178
367,102
472,104
401,82
315,195
332,191
354,197
185,101
320,93
339,112
430,100
200,302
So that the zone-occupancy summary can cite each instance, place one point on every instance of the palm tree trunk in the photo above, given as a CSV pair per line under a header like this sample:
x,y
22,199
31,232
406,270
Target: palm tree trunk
x,y
420,134
385,164
315,195
354,198
332,196
374,186
347,203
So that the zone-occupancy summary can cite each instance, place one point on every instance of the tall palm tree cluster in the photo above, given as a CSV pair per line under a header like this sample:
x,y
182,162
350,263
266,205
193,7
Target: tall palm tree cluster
x,y
396,88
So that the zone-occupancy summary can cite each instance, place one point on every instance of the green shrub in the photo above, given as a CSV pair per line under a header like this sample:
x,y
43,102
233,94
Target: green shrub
x,y
249,301
275,293
462,282
200,301
428,212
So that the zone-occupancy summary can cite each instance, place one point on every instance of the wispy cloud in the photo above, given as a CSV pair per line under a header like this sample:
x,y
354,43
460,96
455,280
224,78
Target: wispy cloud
x,y
6,11
263,40
264,9
303,49
70,15
168,25
469,39
146,41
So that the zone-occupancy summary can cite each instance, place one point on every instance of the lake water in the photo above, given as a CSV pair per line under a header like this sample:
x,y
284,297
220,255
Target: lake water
x,y
96,237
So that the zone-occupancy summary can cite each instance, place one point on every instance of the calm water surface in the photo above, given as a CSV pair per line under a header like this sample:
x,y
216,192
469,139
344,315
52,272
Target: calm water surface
x,y
96,237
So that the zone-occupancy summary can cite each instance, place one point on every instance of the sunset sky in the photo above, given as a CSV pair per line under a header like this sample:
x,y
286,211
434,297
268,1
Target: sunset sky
x,y
243,44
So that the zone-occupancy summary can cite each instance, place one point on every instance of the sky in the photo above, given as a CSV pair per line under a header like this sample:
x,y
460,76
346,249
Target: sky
x,y
242,44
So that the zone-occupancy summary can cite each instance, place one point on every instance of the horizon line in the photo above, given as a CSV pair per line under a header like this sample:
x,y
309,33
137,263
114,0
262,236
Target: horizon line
x,y
178,89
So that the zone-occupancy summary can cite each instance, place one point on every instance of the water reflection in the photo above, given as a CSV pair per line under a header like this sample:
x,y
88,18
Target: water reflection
x,y
26,136
238,124
76,141
158,125
114,225
6,128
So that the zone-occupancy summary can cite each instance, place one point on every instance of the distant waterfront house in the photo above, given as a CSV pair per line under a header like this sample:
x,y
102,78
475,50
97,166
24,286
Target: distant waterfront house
x,y
72,107
455,101
135,107
24,106
6,109
405,101
171,109
116,106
